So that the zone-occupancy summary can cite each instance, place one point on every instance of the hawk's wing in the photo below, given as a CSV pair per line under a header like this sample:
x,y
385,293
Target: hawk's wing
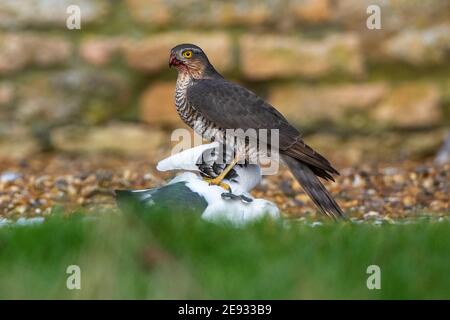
x,y
231,106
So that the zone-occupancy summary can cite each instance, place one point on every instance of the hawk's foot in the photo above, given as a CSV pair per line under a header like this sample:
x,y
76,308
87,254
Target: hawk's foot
x,y
217,182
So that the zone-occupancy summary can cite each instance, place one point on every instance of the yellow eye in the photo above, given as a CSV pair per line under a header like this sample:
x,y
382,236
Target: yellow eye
x,y
187,54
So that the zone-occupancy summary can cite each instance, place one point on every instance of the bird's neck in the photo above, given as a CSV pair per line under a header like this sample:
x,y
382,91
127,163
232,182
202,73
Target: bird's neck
x,y
184,80
197,72
210,73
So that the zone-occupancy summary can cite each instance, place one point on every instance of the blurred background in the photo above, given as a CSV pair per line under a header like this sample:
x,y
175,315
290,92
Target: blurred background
x,y
360,96
370,94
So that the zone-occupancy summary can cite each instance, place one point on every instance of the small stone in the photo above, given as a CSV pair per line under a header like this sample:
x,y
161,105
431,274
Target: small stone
x,y
302,197
399,179
428,183
358,181
9,176
443,155
409,201
371,215
279,199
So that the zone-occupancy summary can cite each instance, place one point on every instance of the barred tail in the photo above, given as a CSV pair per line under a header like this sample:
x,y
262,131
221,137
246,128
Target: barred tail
x,y
314,188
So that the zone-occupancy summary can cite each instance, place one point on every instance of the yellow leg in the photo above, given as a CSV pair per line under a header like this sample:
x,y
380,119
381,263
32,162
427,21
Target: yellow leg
x,y
218,180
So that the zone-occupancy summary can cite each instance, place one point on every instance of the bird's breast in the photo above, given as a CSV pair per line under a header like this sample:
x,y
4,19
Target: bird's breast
x,y
190,115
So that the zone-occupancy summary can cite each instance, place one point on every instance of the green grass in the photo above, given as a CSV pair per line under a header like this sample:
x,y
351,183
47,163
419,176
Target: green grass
x,y
171,256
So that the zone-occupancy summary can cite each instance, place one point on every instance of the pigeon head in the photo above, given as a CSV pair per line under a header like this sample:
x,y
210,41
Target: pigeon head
x,y
189,58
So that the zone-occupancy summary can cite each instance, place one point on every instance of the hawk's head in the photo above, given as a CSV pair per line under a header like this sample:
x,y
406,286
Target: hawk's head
x,y
189,58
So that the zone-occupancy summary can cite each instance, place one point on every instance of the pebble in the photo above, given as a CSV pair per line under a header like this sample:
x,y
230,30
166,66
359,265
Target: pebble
x,y
366,192
9,176
371,215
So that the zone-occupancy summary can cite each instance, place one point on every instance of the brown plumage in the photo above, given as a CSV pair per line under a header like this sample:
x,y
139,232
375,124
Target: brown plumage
x,y
210,104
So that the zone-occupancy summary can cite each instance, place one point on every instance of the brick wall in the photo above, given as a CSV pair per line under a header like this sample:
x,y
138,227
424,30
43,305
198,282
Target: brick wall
x,y
315,60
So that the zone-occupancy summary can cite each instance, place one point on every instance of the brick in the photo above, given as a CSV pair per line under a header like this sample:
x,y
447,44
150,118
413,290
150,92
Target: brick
x,y
157,107
310,11
201,13
38,13
410,105
418,46
270,56
117,137
21,50
100,51
306,105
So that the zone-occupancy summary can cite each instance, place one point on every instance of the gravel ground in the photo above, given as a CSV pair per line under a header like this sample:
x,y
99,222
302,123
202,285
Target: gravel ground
x,y
36,186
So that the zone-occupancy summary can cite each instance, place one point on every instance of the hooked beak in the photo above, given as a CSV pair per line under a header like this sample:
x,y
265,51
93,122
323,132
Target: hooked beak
x,y
173,61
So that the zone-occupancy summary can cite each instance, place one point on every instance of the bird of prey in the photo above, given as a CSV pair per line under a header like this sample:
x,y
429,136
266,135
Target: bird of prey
x,y
212,106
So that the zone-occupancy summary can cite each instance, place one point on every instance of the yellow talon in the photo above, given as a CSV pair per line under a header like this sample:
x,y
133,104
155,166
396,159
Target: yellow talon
x,y
217,182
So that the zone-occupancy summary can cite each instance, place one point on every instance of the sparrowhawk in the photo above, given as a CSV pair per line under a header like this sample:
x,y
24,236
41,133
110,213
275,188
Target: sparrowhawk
x,y
210,105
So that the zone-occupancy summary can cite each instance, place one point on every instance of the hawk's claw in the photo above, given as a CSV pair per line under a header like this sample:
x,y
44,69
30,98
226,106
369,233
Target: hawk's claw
x,y
217,182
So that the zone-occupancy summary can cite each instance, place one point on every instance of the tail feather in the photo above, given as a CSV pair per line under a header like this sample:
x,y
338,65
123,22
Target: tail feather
x,y
314,188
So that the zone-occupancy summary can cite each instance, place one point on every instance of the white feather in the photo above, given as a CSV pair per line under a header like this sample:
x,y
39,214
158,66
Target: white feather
x,y
233,211
186,159
248,176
